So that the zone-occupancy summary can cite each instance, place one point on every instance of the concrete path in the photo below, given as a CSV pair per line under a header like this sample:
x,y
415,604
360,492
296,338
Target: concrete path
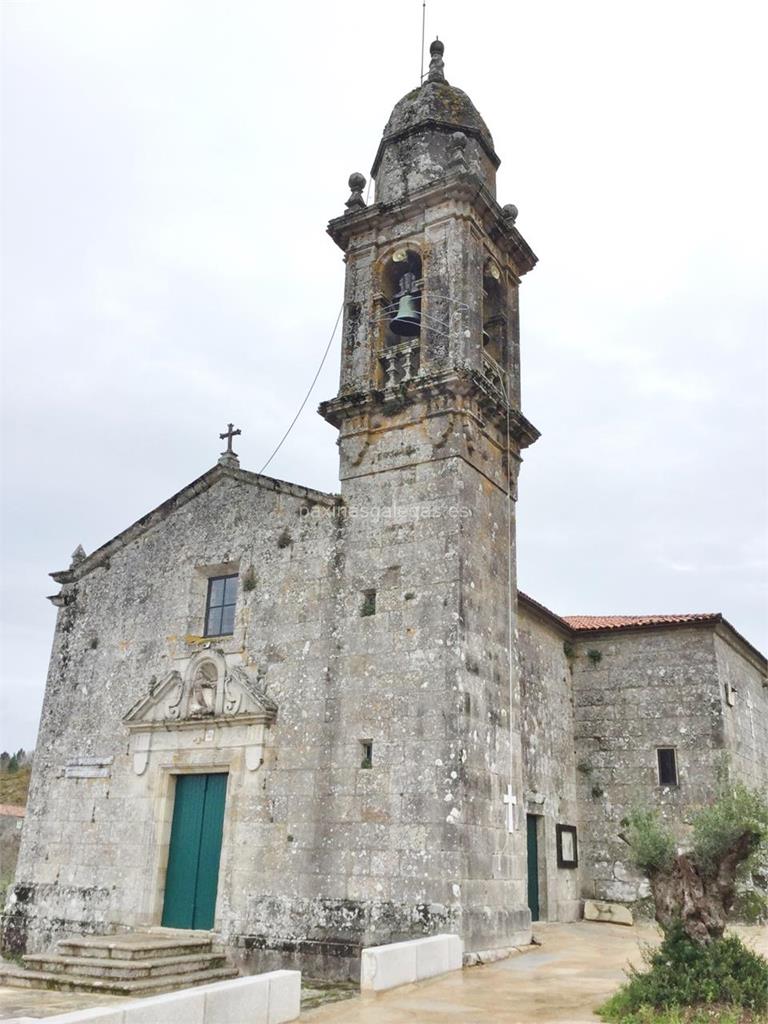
x,y
40,1002
560,982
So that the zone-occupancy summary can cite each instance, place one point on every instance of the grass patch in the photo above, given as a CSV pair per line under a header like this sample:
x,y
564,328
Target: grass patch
x,y
14,786
685,983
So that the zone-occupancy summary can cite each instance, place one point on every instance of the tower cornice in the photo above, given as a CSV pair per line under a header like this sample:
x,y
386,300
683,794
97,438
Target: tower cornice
x,y
466,187
437,389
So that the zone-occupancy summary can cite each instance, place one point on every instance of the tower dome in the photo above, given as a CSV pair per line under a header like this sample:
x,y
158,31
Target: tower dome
x,y
416,146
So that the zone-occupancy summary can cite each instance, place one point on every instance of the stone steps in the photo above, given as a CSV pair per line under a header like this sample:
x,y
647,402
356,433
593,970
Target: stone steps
x,y
130,970
145,963
19,978
137,946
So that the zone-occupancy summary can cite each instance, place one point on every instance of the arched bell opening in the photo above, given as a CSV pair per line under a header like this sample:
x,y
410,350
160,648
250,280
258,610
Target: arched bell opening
x,y
400,318
494,320
401,285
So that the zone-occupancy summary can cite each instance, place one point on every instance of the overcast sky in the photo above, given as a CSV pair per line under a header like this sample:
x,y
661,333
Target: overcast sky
x,y
169,169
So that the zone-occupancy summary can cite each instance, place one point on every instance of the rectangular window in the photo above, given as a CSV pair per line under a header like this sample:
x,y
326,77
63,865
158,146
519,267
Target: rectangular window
x,y
220,609
667,766
367,750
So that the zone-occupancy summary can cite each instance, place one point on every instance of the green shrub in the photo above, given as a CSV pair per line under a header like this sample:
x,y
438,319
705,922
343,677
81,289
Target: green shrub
x,y
717,827
712,1015
653,847
682,973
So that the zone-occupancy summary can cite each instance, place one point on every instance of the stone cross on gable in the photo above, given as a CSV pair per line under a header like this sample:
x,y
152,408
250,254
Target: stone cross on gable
x,y
229,433
228,457
511,801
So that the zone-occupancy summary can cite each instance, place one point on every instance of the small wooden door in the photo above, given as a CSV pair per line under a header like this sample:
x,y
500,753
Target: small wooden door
x,y
533,865
192,877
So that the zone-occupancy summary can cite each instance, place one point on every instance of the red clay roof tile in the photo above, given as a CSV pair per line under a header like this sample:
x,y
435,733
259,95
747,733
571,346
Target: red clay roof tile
x,y
581,622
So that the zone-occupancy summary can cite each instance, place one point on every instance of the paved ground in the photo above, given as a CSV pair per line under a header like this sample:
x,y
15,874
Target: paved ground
x,y
27,1002
559,982
575,969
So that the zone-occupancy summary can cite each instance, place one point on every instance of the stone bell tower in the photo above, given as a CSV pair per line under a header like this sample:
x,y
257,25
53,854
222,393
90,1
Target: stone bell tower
x,y
430,434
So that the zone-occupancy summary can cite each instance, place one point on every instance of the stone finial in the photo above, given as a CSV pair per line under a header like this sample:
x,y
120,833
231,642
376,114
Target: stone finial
x,y
457,161
509,213
436,66
356,184
78,555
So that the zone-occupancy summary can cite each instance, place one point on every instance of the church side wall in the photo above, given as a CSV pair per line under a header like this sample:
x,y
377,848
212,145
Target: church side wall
x,y
549,761
635,692
745,714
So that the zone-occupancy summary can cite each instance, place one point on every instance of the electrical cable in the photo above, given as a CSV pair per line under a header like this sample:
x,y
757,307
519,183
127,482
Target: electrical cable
x,y
309,392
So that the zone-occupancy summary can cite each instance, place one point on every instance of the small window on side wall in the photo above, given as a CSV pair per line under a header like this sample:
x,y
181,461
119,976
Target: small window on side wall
x,y
220,607
667,759
367,752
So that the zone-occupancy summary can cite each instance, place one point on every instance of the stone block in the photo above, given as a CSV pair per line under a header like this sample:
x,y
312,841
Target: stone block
x,y
284,996
187,1006
95,1015
242,999
402,963
612,913
438,955
383,967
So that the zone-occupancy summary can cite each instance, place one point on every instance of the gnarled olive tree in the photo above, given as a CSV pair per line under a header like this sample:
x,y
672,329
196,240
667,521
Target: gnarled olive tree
x,y
697,885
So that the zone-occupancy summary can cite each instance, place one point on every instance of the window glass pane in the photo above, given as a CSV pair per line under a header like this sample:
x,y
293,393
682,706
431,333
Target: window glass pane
x,y
213,626
216,592
230,590
227,619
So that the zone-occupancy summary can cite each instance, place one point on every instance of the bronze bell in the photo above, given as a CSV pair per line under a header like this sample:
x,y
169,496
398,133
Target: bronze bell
x,y
407,321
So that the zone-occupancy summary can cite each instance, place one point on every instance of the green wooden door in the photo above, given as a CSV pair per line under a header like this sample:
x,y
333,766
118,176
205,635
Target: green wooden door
x,y
193,857
533,866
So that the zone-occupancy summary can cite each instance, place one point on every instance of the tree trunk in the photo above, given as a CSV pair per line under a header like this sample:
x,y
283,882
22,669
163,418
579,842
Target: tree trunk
x,y
700,900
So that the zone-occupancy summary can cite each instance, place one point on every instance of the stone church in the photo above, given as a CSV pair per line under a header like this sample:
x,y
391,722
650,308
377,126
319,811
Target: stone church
x,y
313,722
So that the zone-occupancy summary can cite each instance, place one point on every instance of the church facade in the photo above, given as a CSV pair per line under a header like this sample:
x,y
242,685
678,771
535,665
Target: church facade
x,y
313,722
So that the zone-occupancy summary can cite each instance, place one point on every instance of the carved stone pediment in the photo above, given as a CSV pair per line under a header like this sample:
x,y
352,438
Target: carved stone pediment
x,y
209,692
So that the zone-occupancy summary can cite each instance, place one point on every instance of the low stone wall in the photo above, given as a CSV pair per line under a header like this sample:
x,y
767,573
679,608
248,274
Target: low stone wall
x,y
402,963
263,999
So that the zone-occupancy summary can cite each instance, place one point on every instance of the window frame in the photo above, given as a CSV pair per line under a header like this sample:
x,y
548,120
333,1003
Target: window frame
x,y
676,771
208,606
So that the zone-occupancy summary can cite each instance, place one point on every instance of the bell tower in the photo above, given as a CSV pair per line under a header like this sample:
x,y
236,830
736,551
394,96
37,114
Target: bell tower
x,y
430,436
433,268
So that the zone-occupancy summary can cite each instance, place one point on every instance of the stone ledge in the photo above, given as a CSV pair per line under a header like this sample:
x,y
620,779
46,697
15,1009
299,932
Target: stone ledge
x,y
491,956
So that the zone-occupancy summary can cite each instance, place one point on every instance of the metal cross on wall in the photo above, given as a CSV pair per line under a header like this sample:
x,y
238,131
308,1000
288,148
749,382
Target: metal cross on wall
x,y
229,433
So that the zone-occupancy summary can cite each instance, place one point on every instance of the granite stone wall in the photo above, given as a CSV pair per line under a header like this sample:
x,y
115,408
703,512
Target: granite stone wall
x,y
637,691
549,761
744,692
